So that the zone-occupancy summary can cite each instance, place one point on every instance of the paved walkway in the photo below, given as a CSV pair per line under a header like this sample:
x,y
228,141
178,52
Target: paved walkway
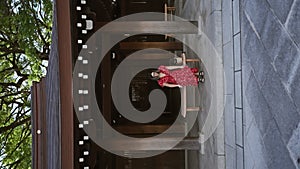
x,y
271,79
234,113
261,62
208,14
259,41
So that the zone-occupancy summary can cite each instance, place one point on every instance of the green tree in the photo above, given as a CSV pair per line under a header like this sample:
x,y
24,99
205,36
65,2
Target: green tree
x,y
25,35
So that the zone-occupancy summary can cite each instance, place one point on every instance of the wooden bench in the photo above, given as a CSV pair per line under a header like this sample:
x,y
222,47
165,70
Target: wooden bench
x,y
183,91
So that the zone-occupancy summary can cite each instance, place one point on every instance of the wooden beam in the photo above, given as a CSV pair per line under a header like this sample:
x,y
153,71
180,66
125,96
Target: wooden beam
x,y
155,27
65,75
147,129
154,144
146,45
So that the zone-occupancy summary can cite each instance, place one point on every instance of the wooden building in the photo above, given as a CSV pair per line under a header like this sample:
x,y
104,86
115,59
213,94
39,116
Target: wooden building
x,y
57,135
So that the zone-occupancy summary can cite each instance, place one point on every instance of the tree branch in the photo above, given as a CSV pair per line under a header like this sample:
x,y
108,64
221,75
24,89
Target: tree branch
x,y
14,125
11,94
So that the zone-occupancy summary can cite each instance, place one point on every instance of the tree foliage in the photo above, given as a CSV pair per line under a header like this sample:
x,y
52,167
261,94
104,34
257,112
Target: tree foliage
x,y
25,35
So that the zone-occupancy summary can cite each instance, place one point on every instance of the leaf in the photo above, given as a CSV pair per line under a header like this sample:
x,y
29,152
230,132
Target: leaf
x,y
25,31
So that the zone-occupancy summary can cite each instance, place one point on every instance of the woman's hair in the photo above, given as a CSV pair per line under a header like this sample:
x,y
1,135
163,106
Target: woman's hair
x,y
155,77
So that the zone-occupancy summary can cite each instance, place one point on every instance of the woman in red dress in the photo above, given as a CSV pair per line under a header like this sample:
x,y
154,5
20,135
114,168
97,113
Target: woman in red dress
x,y
177,76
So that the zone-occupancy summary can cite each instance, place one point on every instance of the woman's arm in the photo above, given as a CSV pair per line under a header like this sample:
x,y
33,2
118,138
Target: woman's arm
x,y
171,85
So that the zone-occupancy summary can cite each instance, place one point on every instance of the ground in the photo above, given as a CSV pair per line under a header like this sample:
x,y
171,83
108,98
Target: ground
x,y
259,44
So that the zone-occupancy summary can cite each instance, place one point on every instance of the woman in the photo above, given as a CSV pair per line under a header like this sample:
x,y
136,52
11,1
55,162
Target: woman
x,y
177,76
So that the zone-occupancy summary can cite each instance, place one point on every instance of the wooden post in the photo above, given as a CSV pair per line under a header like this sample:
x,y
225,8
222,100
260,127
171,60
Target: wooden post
x,y
65,74
39,125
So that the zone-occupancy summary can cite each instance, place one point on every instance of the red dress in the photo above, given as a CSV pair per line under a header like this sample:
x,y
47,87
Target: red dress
x,y
184,76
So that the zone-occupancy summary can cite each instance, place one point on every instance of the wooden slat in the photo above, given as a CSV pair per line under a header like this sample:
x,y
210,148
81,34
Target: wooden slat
x,y
158,27
145,45
43,120
35,125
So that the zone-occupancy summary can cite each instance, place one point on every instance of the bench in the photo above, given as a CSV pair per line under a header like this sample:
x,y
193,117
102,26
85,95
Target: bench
x,y
183,91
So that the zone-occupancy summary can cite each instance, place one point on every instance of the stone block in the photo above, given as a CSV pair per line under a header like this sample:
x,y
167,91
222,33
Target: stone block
x,y
278,155
248,117
208,160
262,67
287,57
229,81
237,52
227,21
281,9
259,106
239,127
229,121
271,35
228,67
230,157
281,106
236,16
214,29
245,28
239,157
293,23
246,71
249,159
256,147
294,146
295,89
228,54
253,47
238,89
221,162
219,138
216,5
257,11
